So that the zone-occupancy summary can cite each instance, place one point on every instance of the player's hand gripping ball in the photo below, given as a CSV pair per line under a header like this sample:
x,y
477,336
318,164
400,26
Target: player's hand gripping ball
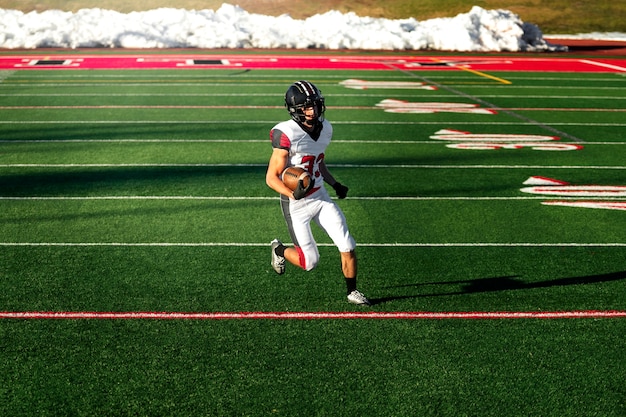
x,y
298,180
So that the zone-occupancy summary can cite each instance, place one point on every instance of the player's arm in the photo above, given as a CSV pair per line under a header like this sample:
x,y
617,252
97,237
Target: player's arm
x,y
328,177
340,189
276,166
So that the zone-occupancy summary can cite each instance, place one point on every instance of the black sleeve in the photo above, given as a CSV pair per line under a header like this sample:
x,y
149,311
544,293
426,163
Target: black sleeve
x,y
280,140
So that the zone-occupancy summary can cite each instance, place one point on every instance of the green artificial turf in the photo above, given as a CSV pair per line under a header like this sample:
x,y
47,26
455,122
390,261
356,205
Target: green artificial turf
x,y
115,199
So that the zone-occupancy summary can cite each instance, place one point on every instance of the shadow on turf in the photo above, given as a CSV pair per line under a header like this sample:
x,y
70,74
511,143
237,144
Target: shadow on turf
x,y
505,283
110,180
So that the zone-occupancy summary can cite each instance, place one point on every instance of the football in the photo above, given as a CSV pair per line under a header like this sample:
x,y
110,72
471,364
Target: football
x,y
292,175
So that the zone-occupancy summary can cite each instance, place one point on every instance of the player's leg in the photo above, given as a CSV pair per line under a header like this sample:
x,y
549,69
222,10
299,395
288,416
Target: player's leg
x,y
304,254
333,221
349,269
294,255
282,253
349,264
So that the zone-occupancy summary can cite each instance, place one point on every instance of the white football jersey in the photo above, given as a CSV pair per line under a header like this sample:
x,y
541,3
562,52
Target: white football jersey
x,y
304,151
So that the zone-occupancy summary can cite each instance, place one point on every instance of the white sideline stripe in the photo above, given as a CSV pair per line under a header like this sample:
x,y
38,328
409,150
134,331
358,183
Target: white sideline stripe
x,y
158,83
191,197
172,140
601,64
372,245
124,165
142,197
309,315
236,141
273,122
331,165
265,95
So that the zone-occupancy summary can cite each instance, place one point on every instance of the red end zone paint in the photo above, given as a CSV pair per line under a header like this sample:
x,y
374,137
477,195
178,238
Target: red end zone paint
x,y
59,60
262,315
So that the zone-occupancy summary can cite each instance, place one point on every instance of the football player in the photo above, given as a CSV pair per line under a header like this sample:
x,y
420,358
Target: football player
x,y
302,141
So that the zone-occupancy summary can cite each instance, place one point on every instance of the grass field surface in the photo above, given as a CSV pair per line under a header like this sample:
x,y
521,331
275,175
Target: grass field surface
x,y
142,191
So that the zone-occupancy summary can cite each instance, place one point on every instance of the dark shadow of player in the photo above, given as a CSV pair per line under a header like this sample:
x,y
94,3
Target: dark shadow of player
x,y
505,283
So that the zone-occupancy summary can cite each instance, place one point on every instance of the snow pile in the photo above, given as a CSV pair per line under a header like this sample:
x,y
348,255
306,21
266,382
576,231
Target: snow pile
x,y
230,26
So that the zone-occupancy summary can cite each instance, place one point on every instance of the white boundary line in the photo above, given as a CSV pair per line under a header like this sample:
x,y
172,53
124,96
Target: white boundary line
x,y
166,140
149,197
435,107
265,95
156,83
157,165
271,123
309,315
370,245
217,198
601,64
383,166
113,141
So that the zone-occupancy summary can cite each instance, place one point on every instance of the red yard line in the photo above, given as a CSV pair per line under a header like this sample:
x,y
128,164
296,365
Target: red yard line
x,y
263,315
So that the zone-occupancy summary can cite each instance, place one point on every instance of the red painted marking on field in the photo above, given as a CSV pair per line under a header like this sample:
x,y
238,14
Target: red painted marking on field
x,y
144,60
262,315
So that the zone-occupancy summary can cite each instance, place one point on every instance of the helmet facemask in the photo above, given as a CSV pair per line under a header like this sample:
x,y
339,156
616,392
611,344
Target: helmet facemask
x,y
302,95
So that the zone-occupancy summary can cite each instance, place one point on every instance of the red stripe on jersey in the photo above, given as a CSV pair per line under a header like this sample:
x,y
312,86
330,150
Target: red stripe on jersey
x,y
279,139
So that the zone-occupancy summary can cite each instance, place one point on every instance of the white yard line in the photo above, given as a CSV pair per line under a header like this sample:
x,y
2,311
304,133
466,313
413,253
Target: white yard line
x,y
227,198
115,141
383,166
272,122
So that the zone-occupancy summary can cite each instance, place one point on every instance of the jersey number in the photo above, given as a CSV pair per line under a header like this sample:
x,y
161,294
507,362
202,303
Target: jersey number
x,y
310,162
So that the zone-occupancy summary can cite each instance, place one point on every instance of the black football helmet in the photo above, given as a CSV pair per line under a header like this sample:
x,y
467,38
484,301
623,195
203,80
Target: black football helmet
x,y
303,94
